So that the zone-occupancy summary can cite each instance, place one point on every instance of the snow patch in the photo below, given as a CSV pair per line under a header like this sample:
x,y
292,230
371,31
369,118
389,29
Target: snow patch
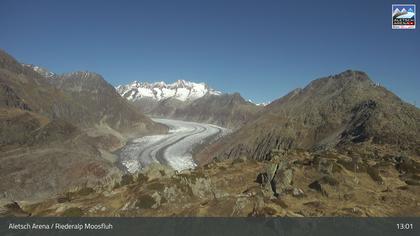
x,y
181,90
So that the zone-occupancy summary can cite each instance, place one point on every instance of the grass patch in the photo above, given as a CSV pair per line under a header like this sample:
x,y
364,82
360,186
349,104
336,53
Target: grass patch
x,y
374,174
141,178
73,212
222,168
85,191
156,186
330,180
126,179
145,202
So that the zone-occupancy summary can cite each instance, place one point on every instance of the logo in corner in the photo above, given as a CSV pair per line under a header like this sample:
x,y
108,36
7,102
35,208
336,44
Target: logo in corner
x,y
403,16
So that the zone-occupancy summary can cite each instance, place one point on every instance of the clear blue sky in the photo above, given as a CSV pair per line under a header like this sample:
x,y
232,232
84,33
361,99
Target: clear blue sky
x,y
262,49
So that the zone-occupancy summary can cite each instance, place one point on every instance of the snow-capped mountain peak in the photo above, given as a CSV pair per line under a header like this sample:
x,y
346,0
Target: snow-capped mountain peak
x,y
40,70
181,89
258,104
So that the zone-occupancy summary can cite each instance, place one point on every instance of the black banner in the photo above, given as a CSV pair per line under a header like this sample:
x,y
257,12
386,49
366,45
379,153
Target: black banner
x,y
341,226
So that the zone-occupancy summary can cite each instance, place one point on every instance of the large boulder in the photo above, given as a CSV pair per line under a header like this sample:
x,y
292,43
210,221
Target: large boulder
x,y
278,175
283,180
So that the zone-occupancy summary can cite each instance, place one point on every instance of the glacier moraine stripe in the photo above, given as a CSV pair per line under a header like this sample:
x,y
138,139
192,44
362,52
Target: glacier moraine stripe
x,y
173,149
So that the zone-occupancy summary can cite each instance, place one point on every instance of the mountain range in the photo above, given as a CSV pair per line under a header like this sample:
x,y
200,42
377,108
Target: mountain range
x,y
341,146
181,90
189,101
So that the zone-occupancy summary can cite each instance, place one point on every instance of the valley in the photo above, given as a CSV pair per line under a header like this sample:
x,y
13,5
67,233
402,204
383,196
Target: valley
x,y
72,144
174,149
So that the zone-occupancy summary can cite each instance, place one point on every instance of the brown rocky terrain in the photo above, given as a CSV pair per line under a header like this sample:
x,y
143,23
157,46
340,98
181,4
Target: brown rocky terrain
x,y
294,184
333,112
59,132
41,156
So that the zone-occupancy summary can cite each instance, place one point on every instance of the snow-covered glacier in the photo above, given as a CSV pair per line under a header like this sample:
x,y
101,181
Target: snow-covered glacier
x,y
173,149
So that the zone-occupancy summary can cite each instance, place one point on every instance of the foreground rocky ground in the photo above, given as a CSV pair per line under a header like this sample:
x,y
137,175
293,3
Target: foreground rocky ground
x,y
294,183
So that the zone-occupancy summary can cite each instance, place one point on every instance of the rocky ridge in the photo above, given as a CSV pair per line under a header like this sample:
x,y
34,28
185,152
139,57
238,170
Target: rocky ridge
x,y
338,111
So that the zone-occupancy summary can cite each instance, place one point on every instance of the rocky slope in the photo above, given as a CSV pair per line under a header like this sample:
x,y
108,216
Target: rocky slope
x,y
58,131
44,72
227,110
40,157
293,184
333,112
81,98
104,105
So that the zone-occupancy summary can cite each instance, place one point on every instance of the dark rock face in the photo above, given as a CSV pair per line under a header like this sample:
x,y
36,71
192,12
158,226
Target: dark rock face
x,y
333,112
9,99
357,131
262,178
317,186
12,209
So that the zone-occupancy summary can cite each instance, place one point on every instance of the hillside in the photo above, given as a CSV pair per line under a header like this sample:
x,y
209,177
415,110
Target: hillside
x,y
226,110
59,131
82,98
104,105
338,111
